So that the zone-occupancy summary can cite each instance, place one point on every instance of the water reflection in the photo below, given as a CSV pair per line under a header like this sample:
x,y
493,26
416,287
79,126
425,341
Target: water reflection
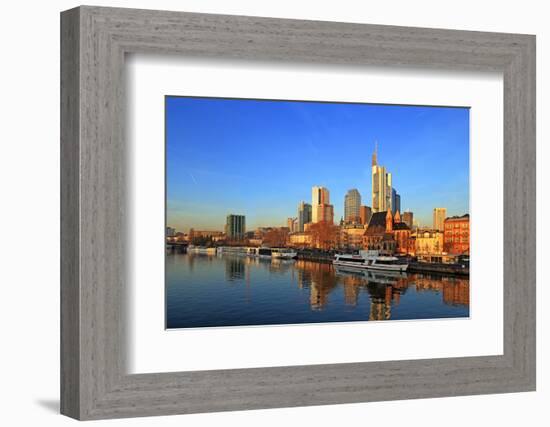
x,y
384,288
234,269
285,291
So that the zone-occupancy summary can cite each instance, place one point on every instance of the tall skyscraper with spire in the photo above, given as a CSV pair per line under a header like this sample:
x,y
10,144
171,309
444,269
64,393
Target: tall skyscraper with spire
x,y
381,185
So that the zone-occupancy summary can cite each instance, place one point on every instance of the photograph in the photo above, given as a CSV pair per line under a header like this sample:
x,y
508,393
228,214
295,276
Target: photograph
x,y
295,212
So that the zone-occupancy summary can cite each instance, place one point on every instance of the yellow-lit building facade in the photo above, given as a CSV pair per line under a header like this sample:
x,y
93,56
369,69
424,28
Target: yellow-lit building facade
x,y
428,242
300,240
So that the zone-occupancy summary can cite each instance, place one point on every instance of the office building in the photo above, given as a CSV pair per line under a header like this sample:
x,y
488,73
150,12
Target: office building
x,y
381,186
408,219
365,213
304,215
439,218
352,207
292,224
325,213
320,204
395,201
235,227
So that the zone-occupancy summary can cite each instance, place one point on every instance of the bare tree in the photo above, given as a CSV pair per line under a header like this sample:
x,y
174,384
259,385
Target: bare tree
x,y
275,238
324,235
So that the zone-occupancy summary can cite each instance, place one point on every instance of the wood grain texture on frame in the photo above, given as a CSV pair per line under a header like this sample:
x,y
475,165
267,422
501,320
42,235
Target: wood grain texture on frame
x,y
94,380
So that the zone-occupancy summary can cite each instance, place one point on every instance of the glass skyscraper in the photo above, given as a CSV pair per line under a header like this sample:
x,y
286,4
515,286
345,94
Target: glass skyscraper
x,y
395,201
352,206
235,227
304,215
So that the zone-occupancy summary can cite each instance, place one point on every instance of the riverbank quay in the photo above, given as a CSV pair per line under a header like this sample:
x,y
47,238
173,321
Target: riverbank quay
x,y
414,266
428,267
318,256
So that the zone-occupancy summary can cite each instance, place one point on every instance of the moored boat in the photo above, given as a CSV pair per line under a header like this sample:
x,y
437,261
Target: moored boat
x,y
201,250
370,260
233,250
280,253
283,253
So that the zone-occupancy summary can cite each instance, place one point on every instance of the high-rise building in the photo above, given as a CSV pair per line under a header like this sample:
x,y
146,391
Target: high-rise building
x,y
325,213
398,203
304,215
365,212
235,227
170,232
408,219
439,218
381,185
292,224
352,206
319,197
395,201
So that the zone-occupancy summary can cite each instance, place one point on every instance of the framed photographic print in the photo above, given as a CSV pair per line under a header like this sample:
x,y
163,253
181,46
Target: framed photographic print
x,y
258,243
262,213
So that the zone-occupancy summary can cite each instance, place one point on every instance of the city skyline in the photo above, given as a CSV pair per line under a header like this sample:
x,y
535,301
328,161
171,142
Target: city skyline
x,y
264,157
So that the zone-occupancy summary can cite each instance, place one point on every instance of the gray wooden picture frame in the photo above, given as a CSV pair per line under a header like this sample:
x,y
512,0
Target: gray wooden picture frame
x,y
94,381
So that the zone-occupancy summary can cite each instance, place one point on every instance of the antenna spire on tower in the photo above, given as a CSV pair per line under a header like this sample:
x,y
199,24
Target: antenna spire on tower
x,y
375,154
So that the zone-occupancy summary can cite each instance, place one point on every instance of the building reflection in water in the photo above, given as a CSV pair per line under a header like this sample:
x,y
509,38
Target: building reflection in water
x,y
319,278
279,266
191,262
234,269
455,290
384,289
238,267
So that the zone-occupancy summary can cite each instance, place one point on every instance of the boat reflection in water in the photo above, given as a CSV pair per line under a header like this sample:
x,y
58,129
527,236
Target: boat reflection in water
x,y
233,290
384,288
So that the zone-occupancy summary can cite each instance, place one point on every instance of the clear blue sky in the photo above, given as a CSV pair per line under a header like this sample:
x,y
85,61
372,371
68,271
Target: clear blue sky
x,y
261,158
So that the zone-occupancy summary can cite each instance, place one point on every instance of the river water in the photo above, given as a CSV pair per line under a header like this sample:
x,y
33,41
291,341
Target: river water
x,y
232,290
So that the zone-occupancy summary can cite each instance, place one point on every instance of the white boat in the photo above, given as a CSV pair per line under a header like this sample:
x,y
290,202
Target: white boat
x,y
370,260
283,253
238,250
201,250
280,253
252,251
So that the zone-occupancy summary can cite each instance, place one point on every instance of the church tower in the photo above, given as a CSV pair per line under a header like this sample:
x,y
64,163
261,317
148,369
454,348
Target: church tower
x,y
389,222
397,217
